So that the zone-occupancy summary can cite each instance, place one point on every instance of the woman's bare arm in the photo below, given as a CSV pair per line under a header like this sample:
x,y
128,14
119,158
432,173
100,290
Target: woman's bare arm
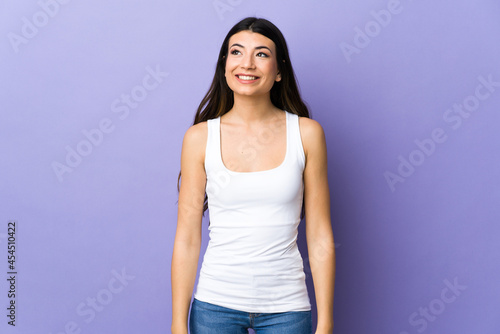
x,y
188,234
319,235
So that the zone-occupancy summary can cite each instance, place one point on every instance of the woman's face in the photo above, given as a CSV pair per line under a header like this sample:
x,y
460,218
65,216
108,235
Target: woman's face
x,y
251,66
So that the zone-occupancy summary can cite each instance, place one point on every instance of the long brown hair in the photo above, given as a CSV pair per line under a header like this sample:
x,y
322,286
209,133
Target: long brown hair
x,y
284,94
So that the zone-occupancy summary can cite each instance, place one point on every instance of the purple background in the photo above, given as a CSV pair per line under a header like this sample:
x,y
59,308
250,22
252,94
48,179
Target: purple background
x,y
399,247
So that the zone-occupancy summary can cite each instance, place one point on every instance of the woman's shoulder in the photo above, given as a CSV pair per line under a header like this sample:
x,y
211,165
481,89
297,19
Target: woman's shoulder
x,y
310,128
312,134
197,132
195,139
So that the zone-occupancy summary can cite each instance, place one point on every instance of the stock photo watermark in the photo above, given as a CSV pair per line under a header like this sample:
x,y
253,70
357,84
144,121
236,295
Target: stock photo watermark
x,y
92,305
421,318
12,271
380,19
223,6
454,118
94,137
31,26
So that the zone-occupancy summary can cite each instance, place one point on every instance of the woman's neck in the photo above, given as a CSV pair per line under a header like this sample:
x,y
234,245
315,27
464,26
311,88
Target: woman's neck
x,y
251,109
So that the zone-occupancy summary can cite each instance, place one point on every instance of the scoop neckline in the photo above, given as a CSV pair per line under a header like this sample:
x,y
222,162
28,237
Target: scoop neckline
x,y
259,171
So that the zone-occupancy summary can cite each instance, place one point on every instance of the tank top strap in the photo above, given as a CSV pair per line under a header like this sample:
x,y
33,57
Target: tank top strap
x,y
212,151
294,139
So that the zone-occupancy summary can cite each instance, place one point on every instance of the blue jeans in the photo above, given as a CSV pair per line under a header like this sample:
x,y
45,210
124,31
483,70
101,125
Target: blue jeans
x,y
208,318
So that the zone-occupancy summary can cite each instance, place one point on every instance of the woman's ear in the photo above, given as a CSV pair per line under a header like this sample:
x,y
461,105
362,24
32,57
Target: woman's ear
x,y
278,77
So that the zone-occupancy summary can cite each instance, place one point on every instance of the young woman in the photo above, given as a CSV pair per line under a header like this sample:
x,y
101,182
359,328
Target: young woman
x,y
256,160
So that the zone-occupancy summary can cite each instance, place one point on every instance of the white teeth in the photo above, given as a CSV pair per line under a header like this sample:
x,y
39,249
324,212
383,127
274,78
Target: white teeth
x,y
246,77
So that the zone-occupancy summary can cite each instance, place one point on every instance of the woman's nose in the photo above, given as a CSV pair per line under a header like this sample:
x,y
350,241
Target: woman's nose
x,y
247,61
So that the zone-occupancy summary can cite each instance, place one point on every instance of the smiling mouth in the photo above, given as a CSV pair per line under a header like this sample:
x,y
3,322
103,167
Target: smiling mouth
x,y
247,77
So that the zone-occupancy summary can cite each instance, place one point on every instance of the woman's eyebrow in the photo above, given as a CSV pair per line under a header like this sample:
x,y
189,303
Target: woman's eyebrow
x,y
236,44
256,48
263,47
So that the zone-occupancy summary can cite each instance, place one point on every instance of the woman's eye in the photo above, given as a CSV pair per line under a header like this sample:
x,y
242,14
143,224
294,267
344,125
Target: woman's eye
x,y
262,54
235,52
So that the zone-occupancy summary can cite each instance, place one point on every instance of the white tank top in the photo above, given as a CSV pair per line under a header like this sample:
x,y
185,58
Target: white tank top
x,y
252,262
